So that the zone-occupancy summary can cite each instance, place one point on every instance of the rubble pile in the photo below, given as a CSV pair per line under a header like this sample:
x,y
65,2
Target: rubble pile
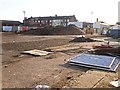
x,y
59,30
82,39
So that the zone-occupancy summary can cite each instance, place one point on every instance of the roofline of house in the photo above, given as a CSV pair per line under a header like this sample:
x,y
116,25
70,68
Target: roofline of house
x,y
52,17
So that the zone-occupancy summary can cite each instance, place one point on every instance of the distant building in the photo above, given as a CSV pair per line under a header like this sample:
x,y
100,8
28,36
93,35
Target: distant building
x,y
49,21
81,25
89,25
78,24
9,25
100,27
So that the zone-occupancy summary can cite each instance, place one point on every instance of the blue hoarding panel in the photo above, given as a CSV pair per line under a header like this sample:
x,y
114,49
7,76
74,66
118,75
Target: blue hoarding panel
x,y
7,28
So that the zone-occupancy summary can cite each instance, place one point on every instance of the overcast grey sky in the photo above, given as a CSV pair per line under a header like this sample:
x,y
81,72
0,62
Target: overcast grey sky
x,y
105,10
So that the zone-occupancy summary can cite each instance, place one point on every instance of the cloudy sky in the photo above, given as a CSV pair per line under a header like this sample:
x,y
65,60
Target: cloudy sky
x,y
104,10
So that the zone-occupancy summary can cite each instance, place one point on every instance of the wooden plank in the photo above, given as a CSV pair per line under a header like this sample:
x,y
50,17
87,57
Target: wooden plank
x,y
37,52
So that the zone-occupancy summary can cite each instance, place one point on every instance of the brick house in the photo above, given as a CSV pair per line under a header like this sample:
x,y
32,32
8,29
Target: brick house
x,y
49,21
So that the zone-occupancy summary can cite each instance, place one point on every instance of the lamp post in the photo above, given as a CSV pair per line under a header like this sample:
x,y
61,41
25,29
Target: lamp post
x,y
91,16
24,14
24,18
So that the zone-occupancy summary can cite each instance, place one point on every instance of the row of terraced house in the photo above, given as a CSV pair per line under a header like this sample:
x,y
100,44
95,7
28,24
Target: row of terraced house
x,y
37,22
49,21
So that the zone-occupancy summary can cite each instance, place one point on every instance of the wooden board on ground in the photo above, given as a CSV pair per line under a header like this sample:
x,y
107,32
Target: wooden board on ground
x,y
36,52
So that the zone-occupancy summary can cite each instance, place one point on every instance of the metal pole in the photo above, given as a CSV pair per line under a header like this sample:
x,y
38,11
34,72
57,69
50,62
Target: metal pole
x,y
24,14
119,11
91,16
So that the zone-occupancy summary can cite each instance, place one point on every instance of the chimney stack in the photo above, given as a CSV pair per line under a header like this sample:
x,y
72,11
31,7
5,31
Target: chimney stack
x,y
97,19
55,15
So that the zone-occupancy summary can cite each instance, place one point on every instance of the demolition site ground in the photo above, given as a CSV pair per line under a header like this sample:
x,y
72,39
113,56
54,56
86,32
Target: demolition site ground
x,y
27,71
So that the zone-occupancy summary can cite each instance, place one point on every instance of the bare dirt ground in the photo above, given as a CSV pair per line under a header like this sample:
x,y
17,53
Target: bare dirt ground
x,y
26,71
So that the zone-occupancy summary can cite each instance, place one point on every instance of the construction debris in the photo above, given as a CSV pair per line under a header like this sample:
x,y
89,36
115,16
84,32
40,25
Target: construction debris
x,y
36,52
96,61
115,83
59,30
102,46
106,50
42,87
82,39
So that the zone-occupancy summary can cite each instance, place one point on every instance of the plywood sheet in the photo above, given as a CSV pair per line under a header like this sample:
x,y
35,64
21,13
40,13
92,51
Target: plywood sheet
x,y
37,52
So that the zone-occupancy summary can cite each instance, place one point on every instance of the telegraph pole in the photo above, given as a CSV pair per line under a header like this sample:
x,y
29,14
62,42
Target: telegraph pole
x,y
91,16
24,14
24,17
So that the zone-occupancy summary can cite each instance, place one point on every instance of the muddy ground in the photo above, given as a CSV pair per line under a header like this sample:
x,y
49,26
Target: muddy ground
x,y
27,71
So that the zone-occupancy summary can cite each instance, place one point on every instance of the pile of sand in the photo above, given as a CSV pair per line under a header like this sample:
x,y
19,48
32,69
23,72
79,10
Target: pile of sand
x,y
60,30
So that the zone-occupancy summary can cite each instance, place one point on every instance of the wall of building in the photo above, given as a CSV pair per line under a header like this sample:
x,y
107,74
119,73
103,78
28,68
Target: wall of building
x,y
100,28
78,24
9,28
49,21
96,25
57,23
73,19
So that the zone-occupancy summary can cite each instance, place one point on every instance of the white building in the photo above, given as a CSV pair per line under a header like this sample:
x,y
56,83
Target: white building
x,y
78,24
57,22
100,27
119,11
